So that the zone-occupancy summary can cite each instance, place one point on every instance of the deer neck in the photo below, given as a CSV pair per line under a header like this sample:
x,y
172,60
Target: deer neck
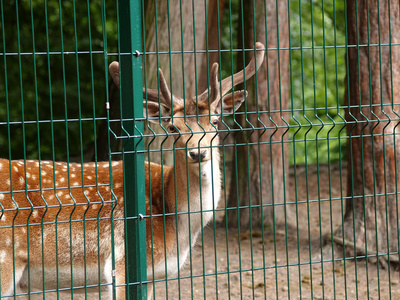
x,y
198,184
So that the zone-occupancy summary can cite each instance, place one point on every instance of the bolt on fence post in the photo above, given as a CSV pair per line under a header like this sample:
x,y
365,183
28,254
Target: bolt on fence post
x,y
130,43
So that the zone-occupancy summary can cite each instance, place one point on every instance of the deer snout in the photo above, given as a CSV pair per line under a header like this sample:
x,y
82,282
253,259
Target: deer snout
x,y
198,156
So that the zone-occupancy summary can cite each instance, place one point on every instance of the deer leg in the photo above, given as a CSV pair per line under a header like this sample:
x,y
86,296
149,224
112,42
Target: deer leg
x,y
149,291
120,280
11,276
107,277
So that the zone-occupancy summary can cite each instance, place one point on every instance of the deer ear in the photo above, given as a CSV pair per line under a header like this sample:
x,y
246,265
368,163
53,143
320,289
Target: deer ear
x,y
114,71
152,111
228,101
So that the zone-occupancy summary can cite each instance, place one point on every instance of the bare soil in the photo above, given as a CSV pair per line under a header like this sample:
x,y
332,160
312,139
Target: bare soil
x,y
285,262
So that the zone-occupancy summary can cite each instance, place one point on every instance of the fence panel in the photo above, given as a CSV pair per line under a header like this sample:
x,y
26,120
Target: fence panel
x,y
199,149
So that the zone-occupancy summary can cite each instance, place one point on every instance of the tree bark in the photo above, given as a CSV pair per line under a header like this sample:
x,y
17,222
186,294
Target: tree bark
x,y
172,44
260,168
214,17
371,221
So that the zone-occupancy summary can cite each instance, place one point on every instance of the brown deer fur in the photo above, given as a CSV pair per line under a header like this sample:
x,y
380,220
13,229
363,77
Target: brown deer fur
x,y
56,217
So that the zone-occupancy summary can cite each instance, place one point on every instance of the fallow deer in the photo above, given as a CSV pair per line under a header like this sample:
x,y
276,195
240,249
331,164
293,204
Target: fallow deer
x,y
57,219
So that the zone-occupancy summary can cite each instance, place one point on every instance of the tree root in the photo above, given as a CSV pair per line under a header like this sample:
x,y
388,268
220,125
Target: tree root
x,y
383,260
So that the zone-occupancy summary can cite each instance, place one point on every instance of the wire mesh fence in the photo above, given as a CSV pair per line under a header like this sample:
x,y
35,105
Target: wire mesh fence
x,y
208,149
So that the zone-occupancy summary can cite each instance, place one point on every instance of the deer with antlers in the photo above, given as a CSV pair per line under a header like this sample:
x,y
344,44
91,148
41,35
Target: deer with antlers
x,y
55,217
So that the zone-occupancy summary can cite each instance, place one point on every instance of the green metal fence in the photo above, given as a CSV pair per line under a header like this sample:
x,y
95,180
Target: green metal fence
x,y
135,165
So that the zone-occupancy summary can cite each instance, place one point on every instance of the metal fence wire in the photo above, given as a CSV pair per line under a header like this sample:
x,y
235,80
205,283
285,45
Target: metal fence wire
x,y
215,149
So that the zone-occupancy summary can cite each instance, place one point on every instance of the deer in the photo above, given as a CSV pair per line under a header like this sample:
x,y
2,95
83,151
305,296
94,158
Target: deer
x,y
57,219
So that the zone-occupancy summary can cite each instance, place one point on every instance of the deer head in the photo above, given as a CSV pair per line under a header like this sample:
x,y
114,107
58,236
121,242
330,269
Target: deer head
x,y
195,120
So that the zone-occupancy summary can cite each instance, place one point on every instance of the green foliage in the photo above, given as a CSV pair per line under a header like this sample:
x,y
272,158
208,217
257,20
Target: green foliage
x,y
317,76
317,42
58,84
55,83
229,37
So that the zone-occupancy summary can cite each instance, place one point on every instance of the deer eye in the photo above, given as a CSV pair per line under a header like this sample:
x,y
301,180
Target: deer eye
x,y
171,128
215,122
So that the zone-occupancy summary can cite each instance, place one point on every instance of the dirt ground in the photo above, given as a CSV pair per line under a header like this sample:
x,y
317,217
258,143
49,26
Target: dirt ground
x,y
227,266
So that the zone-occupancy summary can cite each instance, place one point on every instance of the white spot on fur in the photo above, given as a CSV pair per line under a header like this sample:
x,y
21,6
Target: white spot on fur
x,y
118,185
115,163
8,181
59,194
76,183
62,179
1,196
35,213
28,175
44,173
89,177
3,218
8,242
3,255
15,168
73,175
21,180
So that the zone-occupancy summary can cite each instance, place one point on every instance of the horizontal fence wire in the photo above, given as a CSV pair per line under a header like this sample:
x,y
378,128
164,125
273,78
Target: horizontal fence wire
x,y
133,165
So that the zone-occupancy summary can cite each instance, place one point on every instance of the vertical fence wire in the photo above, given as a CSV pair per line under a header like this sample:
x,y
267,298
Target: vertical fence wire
x,y
55,85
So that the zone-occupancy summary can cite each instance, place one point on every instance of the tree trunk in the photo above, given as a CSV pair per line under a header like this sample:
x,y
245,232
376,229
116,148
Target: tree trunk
x,y
373,81
214,17
168,38
260,168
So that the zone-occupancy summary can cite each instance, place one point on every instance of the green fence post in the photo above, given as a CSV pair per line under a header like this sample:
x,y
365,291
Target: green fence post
x,y
132,108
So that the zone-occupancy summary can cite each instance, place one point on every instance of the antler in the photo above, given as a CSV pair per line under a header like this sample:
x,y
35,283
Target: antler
x,y
152,95
215,91
233,80
166,94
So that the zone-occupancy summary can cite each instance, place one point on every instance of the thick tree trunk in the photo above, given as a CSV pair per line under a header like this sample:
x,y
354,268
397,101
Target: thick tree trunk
x,y
260,168
175,41
371,223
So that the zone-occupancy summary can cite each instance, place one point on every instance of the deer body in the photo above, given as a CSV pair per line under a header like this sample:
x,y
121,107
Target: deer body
x,y
50,264
50,224
57,219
